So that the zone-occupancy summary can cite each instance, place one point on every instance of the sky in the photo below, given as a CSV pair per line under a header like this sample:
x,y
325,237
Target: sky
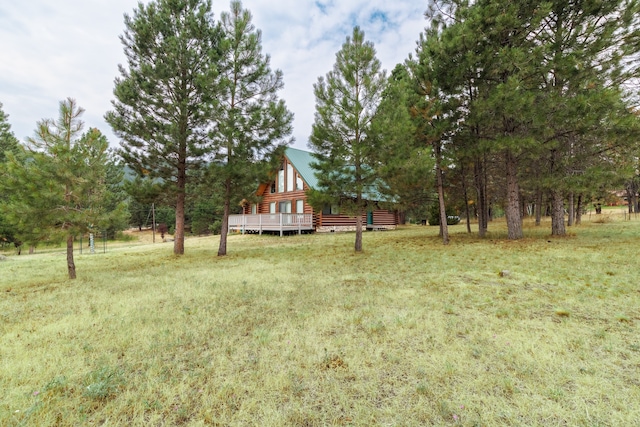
x,y
52,50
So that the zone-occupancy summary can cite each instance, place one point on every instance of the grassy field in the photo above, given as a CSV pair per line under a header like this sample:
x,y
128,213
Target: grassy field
x,y
301,331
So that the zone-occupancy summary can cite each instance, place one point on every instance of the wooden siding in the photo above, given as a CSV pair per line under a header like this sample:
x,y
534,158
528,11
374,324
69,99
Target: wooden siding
x,y
287,196
381,217
339,220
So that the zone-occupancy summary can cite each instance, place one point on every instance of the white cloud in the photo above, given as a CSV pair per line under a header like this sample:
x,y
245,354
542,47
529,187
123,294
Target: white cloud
x,y
53,50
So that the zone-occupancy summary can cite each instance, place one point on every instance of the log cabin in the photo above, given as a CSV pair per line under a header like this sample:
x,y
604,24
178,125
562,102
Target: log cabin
x,y
283,206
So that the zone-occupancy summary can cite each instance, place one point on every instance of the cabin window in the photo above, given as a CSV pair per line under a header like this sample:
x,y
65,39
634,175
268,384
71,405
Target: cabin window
x,y
299,206
299,185
272,207
330,210
290,175
273,187
285,207
281,180
254,209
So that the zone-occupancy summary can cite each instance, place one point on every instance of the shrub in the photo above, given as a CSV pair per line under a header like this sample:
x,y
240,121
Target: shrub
x,y
216,227
434,216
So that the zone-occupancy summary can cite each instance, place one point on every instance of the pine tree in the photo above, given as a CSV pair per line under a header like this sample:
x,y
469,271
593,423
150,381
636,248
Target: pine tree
x,y
8,144
59,190
404,164
8,141
165,95
342,134
250,122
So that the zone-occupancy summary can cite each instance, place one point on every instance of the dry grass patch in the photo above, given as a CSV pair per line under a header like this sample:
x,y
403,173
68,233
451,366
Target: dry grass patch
x,y
302,331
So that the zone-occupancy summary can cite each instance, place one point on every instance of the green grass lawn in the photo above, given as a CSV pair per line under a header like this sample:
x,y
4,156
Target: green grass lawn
x,y
301,331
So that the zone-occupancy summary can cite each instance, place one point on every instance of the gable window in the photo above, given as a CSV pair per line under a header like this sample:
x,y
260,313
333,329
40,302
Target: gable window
x,y
281,180
289,177
299,185
273,187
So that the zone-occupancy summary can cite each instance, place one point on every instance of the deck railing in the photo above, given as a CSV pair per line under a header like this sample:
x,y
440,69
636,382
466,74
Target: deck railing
x,y
271,222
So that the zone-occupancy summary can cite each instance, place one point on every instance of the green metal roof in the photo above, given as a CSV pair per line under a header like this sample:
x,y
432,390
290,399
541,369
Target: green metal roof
x,y
301,161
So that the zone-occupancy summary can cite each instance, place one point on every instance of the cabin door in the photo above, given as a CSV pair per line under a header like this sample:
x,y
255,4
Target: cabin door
x,y
370,218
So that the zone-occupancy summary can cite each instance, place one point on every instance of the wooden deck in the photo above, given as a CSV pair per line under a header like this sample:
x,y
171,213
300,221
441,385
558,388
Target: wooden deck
x,y
279,222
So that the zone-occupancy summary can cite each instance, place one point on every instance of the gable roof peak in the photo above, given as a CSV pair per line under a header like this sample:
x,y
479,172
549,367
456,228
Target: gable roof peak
x,y
301,161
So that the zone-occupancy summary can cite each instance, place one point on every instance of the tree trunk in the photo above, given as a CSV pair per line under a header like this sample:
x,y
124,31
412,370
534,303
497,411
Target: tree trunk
x,y
632,196
178,236
224,231
71,266
538,207
358,245
466,204
513,213
557,214
444,228
579,210
571,212
481,206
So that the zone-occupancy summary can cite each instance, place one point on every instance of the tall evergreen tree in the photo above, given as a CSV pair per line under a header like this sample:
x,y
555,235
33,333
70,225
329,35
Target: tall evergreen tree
x,y
8,141
437,114
165,95
59,190
404,163
250,122
342,134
